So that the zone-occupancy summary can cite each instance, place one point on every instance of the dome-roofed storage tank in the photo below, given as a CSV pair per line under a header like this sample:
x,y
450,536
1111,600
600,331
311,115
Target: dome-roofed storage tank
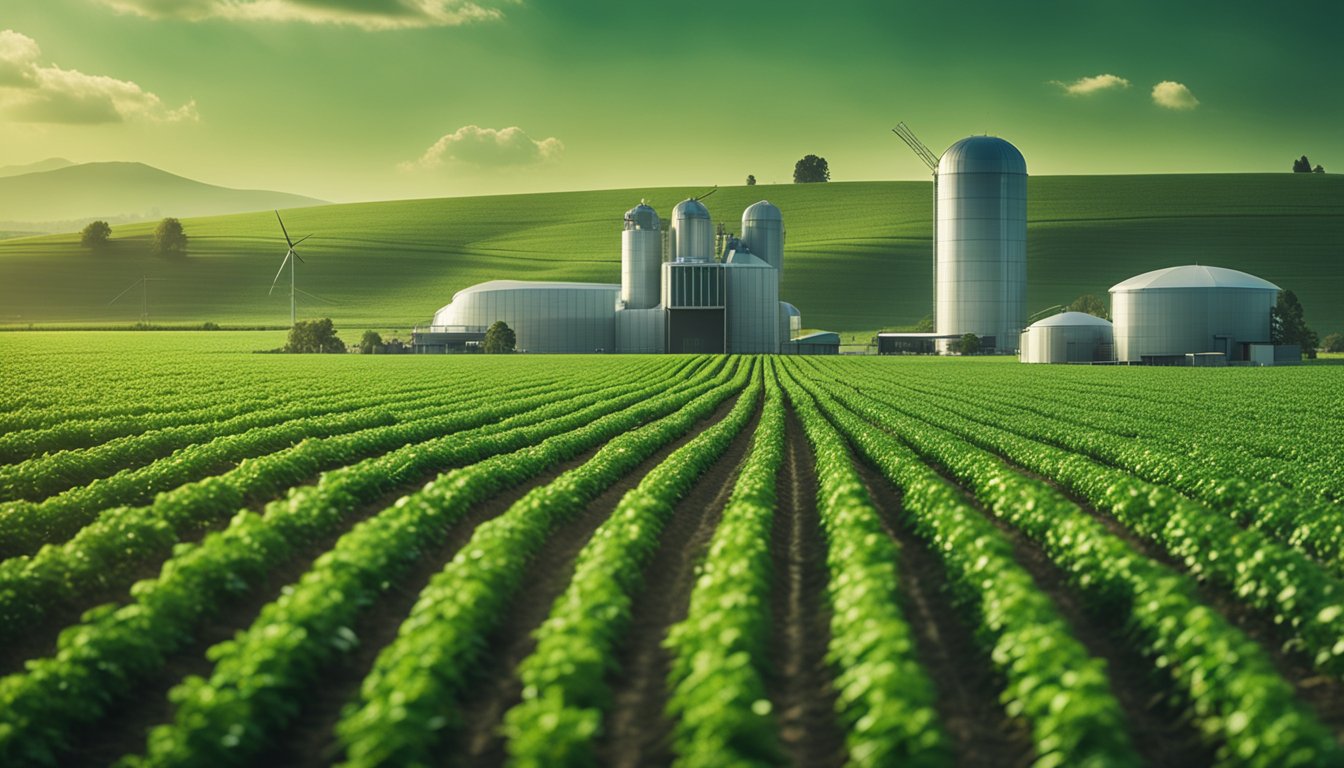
x,y
1191,309
692,232
1068,337
763,233
641,258
980,273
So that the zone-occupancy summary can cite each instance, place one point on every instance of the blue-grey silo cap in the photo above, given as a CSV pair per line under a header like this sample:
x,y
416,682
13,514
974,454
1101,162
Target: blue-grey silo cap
x,y
982,154
641,217
690,209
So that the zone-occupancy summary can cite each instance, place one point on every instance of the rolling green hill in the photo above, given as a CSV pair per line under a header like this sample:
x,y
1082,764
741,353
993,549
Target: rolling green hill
x,y
857,255
63,198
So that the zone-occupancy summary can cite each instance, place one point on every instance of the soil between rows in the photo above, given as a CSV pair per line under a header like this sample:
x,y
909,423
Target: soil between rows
x,y
800,686
637,731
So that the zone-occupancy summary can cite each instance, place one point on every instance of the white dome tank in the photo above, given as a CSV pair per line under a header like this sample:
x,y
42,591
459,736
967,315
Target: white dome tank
x,y
1068,337
1179,310
980,267
763,233
692,232
641,258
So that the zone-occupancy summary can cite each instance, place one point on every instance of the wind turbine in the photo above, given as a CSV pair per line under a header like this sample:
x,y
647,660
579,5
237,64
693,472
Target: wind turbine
x,y
143,284
290,257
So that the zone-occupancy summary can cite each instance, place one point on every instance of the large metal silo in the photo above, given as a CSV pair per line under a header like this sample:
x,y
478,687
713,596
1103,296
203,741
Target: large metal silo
x,y
1175,311
980,270
763,233
641,258
692,233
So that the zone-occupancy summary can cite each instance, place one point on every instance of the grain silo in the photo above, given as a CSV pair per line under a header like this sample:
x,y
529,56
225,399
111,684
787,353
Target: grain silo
x,y
641,258
692,233
980,268
763,233
1169,313
1068,337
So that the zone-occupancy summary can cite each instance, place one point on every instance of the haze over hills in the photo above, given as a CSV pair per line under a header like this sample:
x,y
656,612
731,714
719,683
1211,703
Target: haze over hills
x,y
857,254
50,164
63,199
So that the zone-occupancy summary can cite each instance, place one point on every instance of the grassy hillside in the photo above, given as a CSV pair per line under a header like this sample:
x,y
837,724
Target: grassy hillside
x,y
857,255
122,192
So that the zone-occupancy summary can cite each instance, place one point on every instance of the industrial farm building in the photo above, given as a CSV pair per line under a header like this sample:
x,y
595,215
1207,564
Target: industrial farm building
x,y
676,295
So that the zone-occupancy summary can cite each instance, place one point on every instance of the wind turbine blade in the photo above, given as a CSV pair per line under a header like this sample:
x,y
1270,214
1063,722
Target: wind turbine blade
x,y
297,256
277,273
128,290
282,229
300,240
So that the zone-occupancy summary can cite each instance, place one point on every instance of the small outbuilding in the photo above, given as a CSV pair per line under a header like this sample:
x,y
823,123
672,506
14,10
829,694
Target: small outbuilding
x,y
1068,337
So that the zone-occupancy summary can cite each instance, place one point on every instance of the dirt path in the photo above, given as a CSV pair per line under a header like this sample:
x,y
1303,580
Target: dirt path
x,y
800,688
637,731
982,735
1161,734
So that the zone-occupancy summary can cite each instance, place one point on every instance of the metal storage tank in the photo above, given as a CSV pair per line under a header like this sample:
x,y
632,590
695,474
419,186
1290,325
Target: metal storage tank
x,y
546,317
1068,337
763,233
980,270
692,232
753,305
641,257
1191,309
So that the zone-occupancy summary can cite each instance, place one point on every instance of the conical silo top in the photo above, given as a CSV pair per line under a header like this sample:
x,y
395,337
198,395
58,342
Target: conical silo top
x,y
982,154
690,209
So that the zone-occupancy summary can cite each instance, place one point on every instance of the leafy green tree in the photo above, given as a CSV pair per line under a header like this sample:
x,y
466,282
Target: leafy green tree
x,y
968,344
1333,343
925,325
751,180
169,238
811,169
1318,169
95,234
371,343
1288,325
1302,165
499,338
314,336
1092,304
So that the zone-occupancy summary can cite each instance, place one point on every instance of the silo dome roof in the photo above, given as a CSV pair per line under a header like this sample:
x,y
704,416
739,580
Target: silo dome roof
x,y
1071,319
762,211
690,209
1194,276
642,216
982,154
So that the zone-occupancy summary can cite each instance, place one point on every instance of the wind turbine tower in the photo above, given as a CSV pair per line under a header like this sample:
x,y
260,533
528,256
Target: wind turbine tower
x,y
290,257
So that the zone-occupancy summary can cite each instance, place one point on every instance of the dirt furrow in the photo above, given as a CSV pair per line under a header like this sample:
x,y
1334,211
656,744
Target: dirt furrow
x,y
637,731
801,686
968,688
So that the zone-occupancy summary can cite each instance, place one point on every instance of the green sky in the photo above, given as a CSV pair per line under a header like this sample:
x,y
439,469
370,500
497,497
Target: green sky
x,y
371,99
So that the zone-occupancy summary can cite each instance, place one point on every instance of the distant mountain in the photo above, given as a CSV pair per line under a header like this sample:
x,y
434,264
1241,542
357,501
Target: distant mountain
x,y
65,199
50,164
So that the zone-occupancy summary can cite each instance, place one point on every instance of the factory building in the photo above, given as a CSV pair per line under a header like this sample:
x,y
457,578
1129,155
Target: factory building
x,y
1068,337
1165,315
676,294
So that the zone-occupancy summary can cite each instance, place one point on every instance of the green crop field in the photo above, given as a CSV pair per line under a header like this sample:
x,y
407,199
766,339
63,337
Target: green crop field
x,y
212,557
857,256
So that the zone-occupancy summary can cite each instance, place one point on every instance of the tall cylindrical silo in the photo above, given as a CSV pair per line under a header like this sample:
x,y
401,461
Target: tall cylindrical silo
x,y
981,248
692,232
763,233
1179,310
641,258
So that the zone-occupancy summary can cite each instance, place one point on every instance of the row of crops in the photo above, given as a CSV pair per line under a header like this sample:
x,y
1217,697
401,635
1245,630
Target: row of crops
x,y
213,558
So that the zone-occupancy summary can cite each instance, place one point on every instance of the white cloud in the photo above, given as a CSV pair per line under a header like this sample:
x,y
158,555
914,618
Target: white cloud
x,y
36,93
1086,85
1174,95
474,145
365,14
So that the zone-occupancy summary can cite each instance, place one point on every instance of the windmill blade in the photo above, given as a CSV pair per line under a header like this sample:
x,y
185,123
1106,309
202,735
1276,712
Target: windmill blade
x,y
297,256
129,288
300,240
315,296
278,271
282,229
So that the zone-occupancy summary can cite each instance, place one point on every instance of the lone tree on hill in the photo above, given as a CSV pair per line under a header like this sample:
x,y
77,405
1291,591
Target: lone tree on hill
x,y
314,336
1302,165
371,343
95,234
1092,304
1318,169
169,239
1288,326
811,169
969,344
751,180
500,338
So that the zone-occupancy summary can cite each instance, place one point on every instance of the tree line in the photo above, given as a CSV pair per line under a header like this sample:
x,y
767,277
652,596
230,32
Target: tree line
x,y
170,239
